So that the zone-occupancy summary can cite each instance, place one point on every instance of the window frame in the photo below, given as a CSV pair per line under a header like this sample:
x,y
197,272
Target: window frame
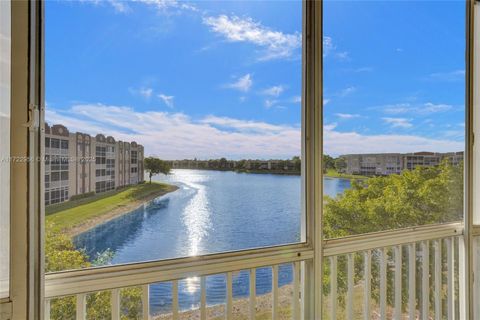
x,y
311,187
27,209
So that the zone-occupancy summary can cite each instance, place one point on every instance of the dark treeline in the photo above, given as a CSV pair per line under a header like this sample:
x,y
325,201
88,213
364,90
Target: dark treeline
x,y
289,166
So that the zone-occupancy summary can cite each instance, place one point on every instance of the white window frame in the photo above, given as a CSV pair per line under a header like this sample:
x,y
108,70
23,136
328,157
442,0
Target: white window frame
x,y
104,278
27,284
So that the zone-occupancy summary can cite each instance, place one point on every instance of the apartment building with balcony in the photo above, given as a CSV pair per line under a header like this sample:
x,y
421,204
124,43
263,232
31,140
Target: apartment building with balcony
x,y
382,164
78,163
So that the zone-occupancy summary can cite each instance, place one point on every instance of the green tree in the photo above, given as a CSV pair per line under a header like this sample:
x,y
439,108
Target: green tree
x,y
155,166
61,255
340,164
425,195
328,162
297,163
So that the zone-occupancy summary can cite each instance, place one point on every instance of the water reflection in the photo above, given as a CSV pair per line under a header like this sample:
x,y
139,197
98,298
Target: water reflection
x,y
115,233
196,215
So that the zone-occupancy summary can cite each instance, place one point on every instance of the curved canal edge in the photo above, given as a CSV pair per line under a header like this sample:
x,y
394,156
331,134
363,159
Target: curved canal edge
x,y
85,214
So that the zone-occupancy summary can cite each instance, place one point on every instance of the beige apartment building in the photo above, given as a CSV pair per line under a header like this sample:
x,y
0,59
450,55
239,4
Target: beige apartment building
x,y
382,164
77,163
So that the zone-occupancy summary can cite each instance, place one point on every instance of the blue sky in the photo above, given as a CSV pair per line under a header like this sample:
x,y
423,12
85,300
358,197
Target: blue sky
x,y
223,78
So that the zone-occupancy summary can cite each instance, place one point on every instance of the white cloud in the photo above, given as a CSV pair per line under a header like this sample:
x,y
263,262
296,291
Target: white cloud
x,y
398,122
297,99
451,76
177,136
361,70
326,101
418,109
168,100
146,92
337,143
347,115
398,108
330,49
242,84
164,5
344,55
275,44
328,46
347,91
434,108
270,103
119,6
274,91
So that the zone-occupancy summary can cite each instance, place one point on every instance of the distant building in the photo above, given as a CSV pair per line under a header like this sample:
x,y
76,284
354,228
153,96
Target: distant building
x,y
382,164
77,163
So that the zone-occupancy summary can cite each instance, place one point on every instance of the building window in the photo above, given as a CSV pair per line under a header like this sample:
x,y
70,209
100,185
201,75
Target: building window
x,y
55,143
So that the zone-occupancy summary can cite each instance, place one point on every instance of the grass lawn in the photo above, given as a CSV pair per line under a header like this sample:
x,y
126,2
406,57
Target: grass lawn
x,y
332,173
73,213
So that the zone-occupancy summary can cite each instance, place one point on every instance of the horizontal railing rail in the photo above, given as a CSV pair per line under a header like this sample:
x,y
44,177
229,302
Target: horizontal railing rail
x,y
387,238
106,278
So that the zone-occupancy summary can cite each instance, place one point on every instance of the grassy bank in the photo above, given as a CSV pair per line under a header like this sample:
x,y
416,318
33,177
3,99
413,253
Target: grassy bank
x,y
332,173
79,215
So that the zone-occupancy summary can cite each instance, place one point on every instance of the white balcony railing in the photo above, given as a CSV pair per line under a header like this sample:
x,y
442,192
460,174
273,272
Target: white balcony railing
x,y
72,289
403,274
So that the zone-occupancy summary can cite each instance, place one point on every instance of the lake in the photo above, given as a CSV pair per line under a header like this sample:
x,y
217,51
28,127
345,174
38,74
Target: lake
x,y
212,211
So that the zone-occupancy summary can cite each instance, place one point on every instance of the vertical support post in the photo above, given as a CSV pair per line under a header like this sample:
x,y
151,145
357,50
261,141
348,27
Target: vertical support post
x,y
312,147
203,298
296,292
350,282
253,294
472,158
450,278
308,290
412,259
383,283
462,282
425,280
438,279
398,282
333,286
476,284
229,307
81,306
146,302
275,292
175,299
115,303
368,284
47,309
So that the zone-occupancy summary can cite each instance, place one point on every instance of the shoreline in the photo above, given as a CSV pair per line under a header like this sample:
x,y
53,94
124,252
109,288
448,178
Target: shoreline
x,y
120,210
